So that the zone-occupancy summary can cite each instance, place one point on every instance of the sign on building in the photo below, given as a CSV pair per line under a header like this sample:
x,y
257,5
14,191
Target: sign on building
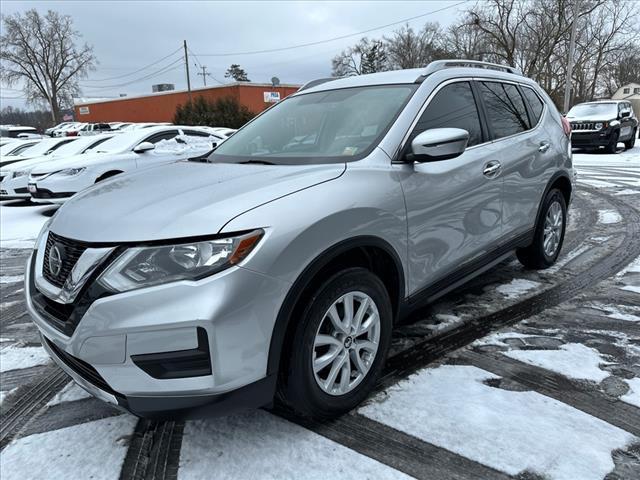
x,y
271,97
84,110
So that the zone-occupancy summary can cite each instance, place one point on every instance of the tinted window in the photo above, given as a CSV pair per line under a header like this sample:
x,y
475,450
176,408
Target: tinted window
x,y
505,108
453,106
535,104
162,136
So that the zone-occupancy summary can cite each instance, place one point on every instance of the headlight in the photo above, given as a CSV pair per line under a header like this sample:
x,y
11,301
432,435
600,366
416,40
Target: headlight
x,y
71,171
141,267
598,126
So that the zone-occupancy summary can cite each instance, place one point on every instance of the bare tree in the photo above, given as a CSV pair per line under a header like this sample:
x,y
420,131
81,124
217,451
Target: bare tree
x,y
40,53
410,49
367,56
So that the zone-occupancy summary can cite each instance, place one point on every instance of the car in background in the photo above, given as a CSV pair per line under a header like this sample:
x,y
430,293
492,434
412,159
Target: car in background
x,y
36,149
125,152
49,131
117,126
14,131
227,132
14,178
70,130
138,126
94,129
603,124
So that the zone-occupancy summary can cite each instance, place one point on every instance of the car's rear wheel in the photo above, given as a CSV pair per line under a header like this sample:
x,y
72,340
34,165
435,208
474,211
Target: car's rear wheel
x,y
632,141
612,146
339,345
549,233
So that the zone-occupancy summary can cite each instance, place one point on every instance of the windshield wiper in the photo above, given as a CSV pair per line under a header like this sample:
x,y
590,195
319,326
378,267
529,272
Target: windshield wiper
x,y
257,162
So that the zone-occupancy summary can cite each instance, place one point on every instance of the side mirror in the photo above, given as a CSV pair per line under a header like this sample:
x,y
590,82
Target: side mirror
x,y
624,114
438,144
144,147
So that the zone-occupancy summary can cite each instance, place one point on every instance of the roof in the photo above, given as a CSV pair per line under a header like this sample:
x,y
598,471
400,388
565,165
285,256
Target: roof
x,y
89,101
452,68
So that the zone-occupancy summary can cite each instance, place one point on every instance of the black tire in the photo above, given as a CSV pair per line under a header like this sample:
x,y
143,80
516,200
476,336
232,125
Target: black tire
x,y
613,143
628,145
534,256
298,387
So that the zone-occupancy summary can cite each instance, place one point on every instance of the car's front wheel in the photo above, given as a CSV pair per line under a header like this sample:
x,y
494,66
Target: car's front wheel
x,y
339,346
628,145
612,146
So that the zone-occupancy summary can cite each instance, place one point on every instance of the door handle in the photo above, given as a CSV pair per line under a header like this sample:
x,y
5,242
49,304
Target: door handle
x,y
492,169
544,146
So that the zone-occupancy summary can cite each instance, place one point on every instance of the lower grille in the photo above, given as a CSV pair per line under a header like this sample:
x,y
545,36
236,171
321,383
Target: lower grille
x,y
82,368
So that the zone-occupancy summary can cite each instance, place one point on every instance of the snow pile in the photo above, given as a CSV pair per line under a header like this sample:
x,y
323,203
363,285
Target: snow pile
x,y
13,358
572,360
19,226
252,445
70,393
498,339
185,145
510,431
608,216
517,287
618,312
632,397
92,450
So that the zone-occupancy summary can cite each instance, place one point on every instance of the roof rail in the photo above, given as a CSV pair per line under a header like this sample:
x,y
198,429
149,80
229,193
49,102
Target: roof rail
x,y
442,64
316,82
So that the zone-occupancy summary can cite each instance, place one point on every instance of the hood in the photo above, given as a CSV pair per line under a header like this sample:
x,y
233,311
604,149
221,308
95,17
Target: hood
x,y
590,118
74,161
182,199
24,164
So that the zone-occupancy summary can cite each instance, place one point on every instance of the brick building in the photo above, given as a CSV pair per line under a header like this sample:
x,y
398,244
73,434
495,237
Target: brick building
x,y
161,107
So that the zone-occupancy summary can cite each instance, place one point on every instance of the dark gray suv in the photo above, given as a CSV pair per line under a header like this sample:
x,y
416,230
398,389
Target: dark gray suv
x,y
603,124
279,265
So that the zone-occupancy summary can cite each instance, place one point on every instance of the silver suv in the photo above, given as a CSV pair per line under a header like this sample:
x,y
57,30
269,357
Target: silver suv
x,y
278,265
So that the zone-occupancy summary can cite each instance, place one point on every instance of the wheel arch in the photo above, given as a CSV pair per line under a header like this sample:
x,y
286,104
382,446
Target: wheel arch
x,y
372,252
562,182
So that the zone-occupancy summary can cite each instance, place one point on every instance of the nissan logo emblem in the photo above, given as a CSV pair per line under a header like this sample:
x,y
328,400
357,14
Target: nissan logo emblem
x,y
55,260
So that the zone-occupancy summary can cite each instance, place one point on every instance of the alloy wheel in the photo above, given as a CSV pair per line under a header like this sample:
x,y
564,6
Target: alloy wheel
x,y
553,229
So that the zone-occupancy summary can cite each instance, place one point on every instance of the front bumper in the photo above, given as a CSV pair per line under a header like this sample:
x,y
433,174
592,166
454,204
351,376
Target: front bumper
x,y
237,308
591,139
14,188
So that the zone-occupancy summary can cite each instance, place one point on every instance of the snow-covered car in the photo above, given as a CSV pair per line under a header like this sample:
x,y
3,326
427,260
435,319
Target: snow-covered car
x,y
227,132
36,148
50,131
70,130
5,141
125,152
118,126
137,126
13,131
15,177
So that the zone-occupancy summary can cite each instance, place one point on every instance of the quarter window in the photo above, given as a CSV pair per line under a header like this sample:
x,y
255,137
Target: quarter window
x,y
535,104
453,106
505,108
162,136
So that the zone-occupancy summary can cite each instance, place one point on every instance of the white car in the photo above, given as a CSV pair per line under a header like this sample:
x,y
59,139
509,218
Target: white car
x,y
137,126
69,130
36,148
13,131
15,177
125,152
94,129
49,131
11,146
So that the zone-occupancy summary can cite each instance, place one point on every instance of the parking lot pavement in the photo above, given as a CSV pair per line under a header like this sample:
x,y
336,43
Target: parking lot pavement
x,y
519,374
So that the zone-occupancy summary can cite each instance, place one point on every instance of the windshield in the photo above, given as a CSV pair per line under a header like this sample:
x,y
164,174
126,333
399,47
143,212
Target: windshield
x,y
321,127
594,110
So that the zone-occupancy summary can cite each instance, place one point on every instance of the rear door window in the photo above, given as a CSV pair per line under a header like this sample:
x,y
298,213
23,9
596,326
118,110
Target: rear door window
x,y
454,106
535,104
505,109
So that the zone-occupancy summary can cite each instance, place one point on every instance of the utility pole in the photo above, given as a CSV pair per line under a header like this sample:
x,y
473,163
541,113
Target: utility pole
x,y
186,64
572,46
204,74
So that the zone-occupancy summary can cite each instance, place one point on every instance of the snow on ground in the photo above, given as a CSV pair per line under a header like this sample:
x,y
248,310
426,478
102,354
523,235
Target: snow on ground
x,y
19,226
517,287
632,397
451,407
70,393
608,216
498,339
633,267
573,360
618,312
631,288
13,358
11,279
259,445
56,454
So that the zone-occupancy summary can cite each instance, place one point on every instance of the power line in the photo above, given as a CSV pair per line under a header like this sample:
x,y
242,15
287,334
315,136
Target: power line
x,y
178,63
200,65
319,42
135,71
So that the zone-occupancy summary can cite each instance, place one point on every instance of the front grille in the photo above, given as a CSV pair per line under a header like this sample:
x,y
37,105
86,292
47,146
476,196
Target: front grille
x,y
70,252
82,368
583,126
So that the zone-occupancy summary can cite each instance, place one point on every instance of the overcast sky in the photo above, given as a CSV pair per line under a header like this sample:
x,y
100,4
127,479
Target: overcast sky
x,y
129,35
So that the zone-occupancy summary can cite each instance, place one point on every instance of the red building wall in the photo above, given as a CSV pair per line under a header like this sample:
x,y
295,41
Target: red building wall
x,y
161,107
